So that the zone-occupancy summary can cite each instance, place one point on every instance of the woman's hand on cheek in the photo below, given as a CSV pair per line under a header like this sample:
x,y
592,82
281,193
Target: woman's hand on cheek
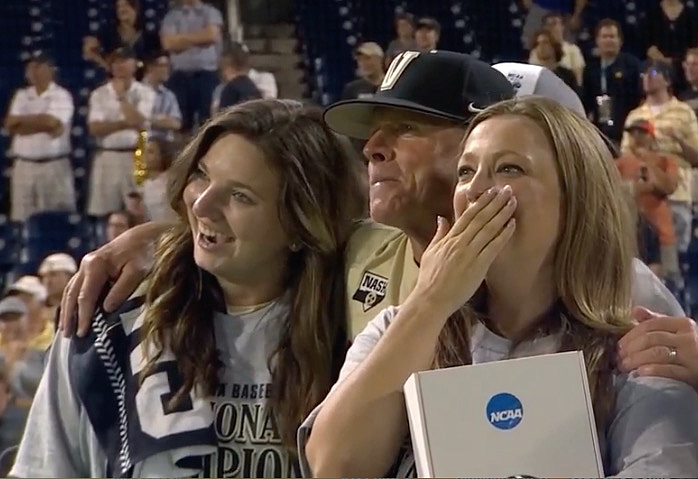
x,y
457,259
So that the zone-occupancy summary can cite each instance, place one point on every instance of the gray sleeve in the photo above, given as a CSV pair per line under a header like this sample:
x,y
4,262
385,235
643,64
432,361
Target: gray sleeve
x,y
168,26
363,344
654,432
50,446
213,16
649,292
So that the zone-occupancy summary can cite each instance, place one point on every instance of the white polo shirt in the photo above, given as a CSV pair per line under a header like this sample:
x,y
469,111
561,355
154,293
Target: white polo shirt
x,y
55,101
104,106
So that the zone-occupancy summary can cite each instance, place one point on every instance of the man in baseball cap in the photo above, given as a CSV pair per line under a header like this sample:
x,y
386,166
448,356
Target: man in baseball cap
x,y
30,290
55,272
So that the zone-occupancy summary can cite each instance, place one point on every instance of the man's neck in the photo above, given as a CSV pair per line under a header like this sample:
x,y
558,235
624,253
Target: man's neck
x,y
40,88
152,82
548,63
375,78
659,98
608,58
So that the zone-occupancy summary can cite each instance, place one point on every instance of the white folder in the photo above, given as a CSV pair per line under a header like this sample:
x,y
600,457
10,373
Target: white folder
x,y
518,417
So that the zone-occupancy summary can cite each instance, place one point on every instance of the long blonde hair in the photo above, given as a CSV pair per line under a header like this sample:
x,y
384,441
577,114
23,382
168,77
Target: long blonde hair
x,y
593,254
322,194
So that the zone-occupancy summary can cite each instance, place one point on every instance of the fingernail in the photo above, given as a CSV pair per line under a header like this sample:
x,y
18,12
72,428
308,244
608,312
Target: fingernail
x,y
512,202
507,189
492,191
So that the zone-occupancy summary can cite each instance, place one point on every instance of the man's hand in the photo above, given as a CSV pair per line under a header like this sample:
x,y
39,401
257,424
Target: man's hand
x,y
661,346
126,260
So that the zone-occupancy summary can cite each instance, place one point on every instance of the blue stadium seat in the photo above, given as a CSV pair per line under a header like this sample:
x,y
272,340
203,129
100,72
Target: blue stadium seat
x,y
56,224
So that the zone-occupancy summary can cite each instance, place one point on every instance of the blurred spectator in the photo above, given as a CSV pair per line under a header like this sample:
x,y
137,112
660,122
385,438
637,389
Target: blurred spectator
x,y
158,158
652,177
136,207
55,272
670,31
427,34
191,33
12,415
611,81
572,57
236,87
118,222
166,117
690,68
40,119
32,293
369,60
126,31
538,9
118,111
676,133
548,52
22,359
404,28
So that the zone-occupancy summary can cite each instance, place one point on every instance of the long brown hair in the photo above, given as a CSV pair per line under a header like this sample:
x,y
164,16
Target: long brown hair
x,y
321,196
593,255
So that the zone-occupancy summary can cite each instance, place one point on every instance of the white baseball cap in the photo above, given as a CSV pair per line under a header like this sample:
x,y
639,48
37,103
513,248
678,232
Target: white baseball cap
x,y
536,80
58,262
29,285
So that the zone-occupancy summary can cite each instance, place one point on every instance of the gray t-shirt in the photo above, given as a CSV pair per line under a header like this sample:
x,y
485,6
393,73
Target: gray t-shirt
x,y
59,440
654,428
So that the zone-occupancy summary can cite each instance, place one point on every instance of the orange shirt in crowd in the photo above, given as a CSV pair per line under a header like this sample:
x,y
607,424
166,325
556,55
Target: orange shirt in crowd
x,y
655,206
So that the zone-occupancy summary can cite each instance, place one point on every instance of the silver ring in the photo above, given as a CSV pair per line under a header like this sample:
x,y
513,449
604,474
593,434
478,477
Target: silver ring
x,y
672,355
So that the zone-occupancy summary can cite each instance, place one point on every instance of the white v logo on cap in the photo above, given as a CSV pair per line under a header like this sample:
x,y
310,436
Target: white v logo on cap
x,y
397,68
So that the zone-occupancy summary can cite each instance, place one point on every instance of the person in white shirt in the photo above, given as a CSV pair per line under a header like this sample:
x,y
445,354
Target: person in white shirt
x,y
40,119
572,57
159,155
265,82
118,110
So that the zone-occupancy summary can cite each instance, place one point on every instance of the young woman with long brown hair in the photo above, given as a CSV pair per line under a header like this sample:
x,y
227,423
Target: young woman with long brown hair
x,y
239,331
540,254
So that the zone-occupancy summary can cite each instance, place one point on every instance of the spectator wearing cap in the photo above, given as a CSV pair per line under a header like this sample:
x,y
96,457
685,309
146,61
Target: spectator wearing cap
x,y
548,53
237,86
166,117
55,271
32,292
611,81
39,120
427,33
22,358
369,60
118,111
651,178
676,134
538,9
125,31
572,57
404,28
191,33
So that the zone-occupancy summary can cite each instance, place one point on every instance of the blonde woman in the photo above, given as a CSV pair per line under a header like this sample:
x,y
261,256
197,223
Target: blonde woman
x,y
541,249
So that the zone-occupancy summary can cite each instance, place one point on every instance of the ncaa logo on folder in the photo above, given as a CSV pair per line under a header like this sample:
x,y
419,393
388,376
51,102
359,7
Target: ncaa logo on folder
x,y
504,411
535,412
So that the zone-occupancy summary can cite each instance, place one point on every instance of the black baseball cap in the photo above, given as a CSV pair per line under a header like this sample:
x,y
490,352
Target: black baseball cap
x,y
442,84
